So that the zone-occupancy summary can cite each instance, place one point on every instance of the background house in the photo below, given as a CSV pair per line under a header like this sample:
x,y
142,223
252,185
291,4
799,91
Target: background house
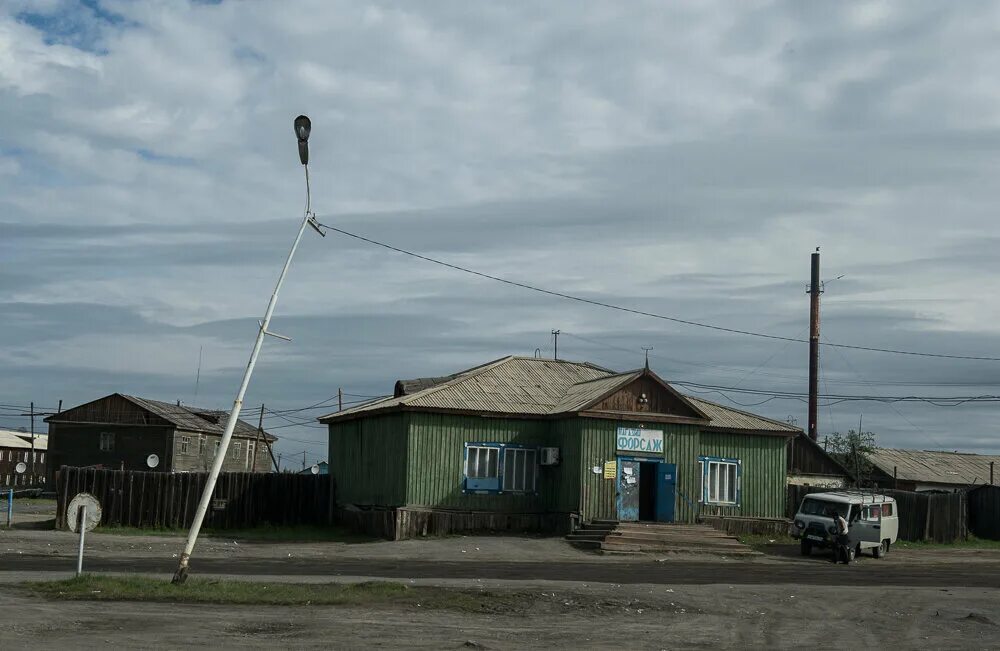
x,y
121,431
540,443
928,470
810,465
15,447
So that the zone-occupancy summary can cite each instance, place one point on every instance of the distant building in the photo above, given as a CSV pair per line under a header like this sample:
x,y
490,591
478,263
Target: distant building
x,y
15,448
929,470
323,466
525,443
810,465
121,431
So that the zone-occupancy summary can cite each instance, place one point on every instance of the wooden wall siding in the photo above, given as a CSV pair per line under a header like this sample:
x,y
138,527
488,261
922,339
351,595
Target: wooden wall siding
x,y
598,439
661,401
164,500
10,457
436,462
112,409
763,481
192,461
368,460
78,444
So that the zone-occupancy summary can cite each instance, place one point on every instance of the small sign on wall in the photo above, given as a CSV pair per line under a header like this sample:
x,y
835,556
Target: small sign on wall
x,y
634,439
610,469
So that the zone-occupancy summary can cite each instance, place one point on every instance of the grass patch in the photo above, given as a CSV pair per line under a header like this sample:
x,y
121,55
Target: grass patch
x,y
264,533
205,591
970,543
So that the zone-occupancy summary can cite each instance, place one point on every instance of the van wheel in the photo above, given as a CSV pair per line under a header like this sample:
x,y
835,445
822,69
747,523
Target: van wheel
x,y
882,550
806,547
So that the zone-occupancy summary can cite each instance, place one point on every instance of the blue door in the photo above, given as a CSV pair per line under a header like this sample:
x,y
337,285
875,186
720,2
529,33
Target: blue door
x,y
666,483
628,490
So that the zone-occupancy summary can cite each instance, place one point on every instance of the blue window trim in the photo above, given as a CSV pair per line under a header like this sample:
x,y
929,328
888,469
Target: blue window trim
x,y
502,447
704,480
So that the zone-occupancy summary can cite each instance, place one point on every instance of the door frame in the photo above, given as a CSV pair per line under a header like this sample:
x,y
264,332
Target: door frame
x,y
641,459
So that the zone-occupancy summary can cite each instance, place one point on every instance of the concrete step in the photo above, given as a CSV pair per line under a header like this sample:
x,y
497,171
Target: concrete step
x,y
668,549
679,536
645,540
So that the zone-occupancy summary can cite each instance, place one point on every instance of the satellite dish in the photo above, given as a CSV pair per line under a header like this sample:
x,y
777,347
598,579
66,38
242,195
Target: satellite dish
x,y
152,461
21,467
315,469
93,512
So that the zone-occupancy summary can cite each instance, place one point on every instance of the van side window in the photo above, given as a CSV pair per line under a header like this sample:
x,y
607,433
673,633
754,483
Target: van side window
x,y
872,513
887,509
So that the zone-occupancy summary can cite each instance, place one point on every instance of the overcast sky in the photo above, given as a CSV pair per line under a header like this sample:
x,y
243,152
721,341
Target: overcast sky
x,y
680,158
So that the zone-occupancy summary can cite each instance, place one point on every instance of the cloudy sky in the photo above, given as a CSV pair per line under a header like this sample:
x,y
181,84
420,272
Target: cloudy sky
x,y
681,159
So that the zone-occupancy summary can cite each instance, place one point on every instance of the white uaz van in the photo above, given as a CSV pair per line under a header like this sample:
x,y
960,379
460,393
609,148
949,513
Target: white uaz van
x,y
873,522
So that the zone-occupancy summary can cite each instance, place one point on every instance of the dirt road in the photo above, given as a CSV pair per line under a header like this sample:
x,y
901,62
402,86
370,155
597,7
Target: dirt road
x,y
654,617
816,571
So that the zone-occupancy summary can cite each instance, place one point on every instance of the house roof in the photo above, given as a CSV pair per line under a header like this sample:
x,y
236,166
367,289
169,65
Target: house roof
x,y
196,419
12,439
183,417
934,467
539,387
727,418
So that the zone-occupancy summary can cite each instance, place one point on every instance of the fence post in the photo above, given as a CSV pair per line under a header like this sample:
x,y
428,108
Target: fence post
x,y
10,505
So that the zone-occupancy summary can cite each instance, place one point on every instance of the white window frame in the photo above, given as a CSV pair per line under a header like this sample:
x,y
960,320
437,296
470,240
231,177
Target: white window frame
x,y
251,454
107,442
237,450
218,444
725,487
202,444
185,444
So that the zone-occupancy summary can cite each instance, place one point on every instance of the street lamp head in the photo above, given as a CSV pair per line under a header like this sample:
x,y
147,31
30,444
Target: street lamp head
x,y
302,128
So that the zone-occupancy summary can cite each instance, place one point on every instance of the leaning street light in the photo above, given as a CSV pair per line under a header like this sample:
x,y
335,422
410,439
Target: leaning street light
x,y
302,128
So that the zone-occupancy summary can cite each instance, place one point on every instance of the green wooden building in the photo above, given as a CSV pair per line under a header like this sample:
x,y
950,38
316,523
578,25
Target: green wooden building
x,y
529,443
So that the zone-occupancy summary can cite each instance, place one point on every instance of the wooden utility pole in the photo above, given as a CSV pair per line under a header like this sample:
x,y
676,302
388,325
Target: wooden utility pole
x,y
340,399
815,289
256,443
32,443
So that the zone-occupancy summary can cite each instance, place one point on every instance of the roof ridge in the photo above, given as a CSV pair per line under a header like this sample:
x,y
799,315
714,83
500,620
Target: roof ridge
x,y
461,376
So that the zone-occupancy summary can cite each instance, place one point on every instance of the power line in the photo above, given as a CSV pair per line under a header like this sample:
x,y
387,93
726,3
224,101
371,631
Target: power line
x,y
620,308
939,401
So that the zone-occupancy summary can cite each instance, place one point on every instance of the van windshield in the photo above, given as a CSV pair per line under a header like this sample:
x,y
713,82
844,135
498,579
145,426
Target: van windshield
x,y
812,506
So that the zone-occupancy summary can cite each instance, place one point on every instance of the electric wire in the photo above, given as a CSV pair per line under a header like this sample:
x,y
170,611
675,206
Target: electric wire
x,y
620,308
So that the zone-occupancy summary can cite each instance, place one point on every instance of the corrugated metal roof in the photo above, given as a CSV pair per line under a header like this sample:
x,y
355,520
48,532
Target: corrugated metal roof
x,y
734,419
12,439
934,467
533,386
195,418
582,394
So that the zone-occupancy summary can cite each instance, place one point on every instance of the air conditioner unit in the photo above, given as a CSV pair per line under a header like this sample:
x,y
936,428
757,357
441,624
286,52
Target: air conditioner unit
x,y
550,456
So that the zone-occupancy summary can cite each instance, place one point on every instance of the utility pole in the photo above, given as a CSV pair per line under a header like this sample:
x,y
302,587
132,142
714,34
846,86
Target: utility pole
x,y
302,127
32,443
815,289
303,459
340,399
279,462
256,443
555,339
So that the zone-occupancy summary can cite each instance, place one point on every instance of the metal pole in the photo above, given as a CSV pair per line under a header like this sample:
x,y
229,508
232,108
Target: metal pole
x,y
555,344
340,399
213,475
814,292
81,524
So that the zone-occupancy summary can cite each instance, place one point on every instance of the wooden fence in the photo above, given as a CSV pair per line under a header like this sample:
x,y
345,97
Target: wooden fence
x,y
937,517
984,512
166,500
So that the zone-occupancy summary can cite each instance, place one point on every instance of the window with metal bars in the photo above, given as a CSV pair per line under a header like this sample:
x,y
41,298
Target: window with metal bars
x,y
500,468
720,481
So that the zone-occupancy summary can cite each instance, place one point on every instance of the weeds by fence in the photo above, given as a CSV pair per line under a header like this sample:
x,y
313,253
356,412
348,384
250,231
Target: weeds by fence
x,y
169,500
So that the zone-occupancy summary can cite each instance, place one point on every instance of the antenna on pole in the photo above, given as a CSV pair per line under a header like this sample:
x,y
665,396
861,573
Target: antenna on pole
x,y
555,344
647,355
303,127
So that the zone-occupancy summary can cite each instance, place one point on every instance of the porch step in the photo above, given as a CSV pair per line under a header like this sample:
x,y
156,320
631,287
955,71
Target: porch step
x,y
639,537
